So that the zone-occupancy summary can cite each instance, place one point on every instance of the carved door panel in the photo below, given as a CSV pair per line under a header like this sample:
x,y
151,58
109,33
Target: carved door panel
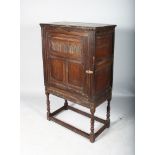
x,y
66,61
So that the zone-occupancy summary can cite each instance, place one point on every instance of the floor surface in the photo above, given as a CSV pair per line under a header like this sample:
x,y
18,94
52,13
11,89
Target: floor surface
x,y
41,137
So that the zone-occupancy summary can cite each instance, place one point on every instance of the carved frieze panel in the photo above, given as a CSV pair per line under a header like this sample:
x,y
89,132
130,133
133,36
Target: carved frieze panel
x,y
65,46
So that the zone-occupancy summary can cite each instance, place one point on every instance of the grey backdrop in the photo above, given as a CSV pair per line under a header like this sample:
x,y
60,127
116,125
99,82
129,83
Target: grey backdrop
x,y
120,12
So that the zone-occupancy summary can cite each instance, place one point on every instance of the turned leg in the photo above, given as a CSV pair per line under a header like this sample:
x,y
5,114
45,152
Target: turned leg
x,y
66,105
48,106
92,135
108,113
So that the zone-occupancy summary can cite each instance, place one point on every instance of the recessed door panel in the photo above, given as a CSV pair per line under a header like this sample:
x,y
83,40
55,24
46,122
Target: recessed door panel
x,y
57,70
75,74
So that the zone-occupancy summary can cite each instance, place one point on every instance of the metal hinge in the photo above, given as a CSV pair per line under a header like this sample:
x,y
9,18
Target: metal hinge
x,y
89,72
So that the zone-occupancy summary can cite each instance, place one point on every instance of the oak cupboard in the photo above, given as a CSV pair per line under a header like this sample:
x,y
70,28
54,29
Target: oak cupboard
x,y
78,66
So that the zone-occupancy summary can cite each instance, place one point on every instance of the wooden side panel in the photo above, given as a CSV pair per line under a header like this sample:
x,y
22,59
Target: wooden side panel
x,y
103,46
102,79
103,62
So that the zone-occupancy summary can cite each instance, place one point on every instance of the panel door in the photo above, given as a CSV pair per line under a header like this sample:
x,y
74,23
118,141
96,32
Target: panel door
x,y
66,65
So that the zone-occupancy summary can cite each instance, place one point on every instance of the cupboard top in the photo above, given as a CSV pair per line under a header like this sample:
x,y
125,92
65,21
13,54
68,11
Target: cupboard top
x,y
90,26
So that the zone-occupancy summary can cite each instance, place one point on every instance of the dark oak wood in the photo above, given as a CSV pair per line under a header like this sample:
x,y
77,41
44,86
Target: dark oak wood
x,y
100,131
108,113
90,136
70,127
48,105
78,66
87,114
66,104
